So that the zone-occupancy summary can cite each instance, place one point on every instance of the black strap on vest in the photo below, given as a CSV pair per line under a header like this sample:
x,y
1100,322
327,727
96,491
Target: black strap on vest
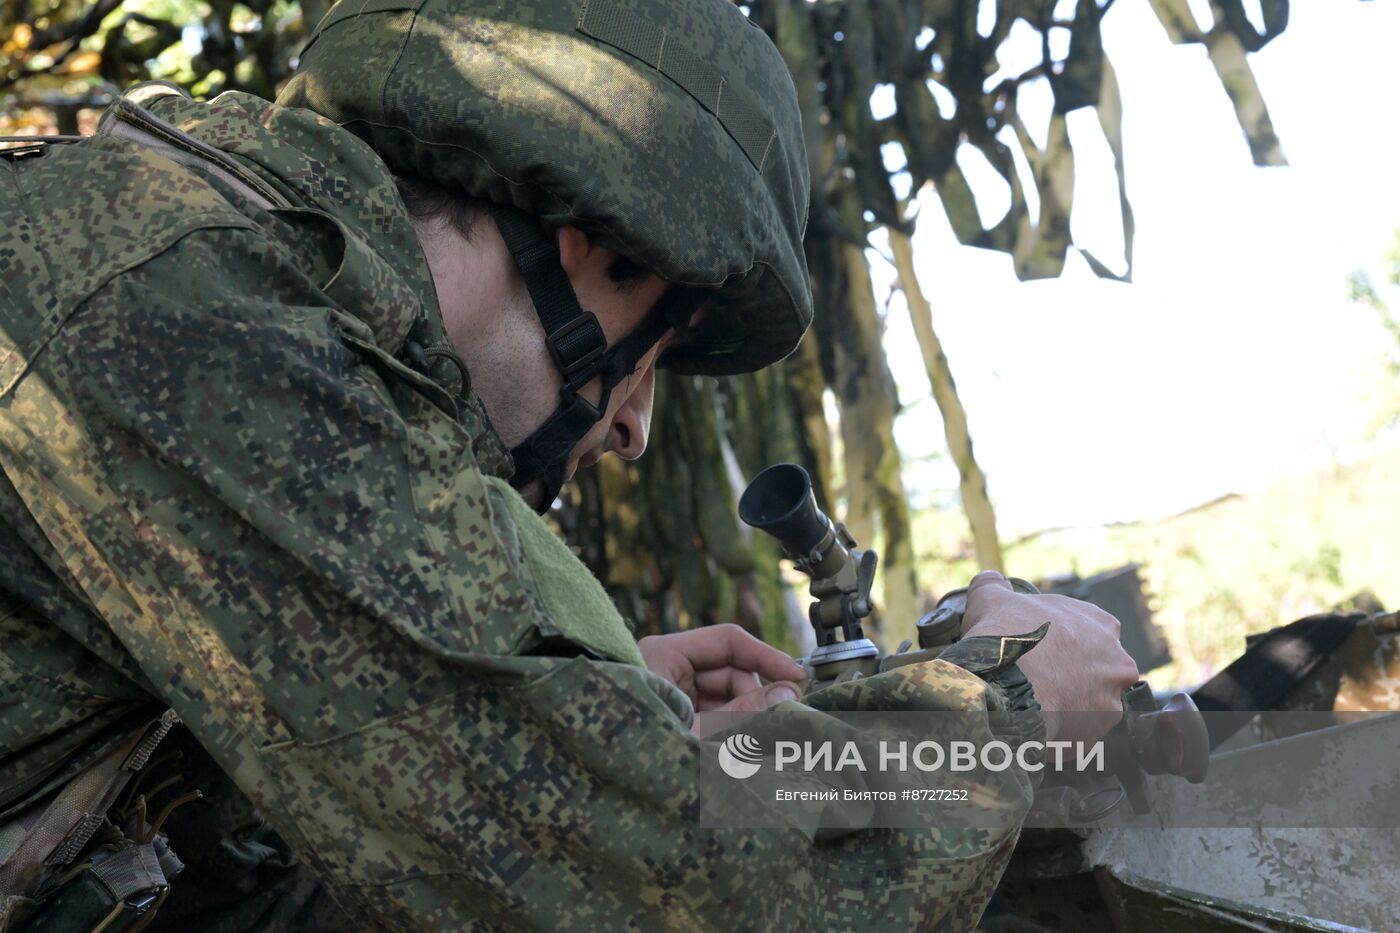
x,y
577,345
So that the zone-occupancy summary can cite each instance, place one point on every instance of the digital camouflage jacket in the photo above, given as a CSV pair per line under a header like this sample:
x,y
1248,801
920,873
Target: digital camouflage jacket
x,y
222,492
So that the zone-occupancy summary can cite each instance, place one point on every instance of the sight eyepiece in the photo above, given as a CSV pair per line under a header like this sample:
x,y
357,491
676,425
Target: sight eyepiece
x,y
780,502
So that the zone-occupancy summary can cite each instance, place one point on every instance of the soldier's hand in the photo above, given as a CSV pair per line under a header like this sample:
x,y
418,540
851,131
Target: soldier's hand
x,y
723,667
1080,668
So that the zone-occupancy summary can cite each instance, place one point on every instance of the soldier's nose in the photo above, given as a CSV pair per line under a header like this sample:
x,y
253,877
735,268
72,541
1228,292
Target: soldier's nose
x,y
627,437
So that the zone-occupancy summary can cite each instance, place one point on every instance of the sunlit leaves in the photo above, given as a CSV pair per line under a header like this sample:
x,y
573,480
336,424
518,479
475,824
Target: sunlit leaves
x,y
206,46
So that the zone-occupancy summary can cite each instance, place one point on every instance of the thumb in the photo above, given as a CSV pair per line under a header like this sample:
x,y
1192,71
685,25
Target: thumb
x,y
988,578
981,592
752,702
756,700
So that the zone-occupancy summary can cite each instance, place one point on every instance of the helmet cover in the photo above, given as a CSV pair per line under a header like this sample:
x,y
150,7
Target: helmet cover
x,y
668,130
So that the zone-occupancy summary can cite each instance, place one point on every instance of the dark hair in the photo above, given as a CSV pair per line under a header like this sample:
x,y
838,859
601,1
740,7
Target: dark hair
x,y
432,203
428,202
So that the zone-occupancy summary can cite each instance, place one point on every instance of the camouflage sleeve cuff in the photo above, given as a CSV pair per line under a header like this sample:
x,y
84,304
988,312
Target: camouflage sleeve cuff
x,y
984,655
1016,715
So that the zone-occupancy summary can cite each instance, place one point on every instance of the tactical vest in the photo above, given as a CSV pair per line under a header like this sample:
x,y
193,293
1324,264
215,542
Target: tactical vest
x,y
88,855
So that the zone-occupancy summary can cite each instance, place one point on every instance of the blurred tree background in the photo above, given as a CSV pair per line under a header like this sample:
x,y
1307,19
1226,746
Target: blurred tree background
x,y
1380,298
894,94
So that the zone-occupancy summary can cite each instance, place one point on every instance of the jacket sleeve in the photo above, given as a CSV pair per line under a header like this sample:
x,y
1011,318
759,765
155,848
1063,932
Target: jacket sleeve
x,y
302,555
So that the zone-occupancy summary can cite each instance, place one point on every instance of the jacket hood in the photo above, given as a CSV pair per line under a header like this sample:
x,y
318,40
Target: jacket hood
x,y
346,219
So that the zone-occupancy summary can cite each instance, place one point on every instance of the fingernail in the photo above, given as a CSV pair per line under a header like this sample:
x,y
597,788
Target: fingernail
x,y
781,694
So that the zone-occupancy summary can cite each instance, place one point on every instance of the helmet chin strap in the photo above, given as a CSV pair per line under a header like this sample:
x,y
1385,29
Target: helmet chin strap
x,y
578,348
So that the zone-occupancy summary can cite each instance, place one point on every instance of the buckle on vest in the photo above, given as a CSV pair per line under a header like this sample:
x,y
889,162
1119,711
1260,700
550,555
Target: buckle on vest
x,y
577,347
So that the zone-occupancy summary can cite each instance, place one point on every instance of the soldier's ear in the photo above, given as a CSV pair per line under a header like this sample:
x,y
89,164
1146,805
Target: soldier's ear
x,y
577,253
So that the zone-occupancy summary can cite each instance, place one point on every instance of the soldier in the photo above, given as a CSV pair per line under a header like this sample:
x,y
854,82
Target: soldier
x,y
282,390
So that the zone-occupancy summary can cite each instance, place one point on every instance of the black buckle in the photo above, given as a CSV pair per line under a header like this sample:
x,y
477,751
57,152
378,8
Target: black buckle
x,y
578,347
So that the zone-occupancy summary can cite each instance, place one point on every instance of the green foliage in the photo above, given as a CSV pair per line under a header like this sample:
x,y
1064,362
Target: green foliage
x,y
63,52
1239,566
1361,291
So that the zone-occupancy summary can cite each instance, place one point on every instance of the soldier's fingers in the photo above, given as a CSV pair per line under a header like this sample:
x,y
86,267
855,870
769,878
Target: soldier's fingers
x,y
726,683
756,700
984,584
988,578
719,646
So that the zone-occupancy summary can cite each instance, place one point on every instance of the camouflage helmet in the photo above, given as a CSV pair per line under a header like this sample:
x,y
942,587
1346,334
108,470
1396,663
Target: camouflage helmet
x,y
666,129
